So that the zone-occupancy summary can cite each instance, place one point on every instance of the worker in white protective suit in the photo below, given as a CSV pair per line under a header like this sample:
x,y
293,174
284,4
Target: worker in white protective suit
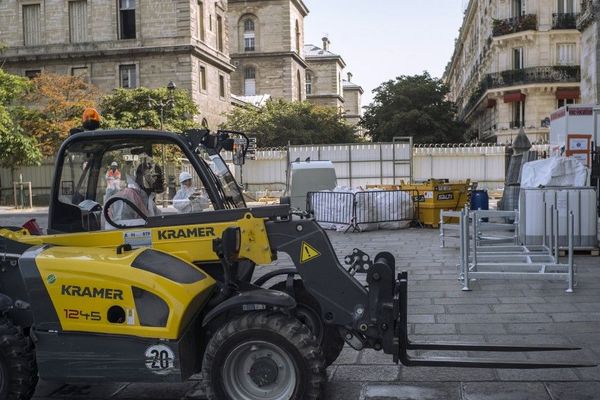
x,y
141,192
189,199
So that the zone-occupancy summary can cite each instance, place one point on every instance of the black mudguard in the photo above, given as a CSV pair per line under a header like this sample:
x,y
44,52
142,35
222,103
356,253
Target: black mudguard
x,y
258,299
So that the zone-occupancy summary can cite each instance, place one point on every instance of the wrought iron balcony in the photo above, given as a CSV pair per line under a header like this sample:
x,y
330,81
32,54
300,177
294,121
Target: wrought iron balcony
x,y
550,74
514,24
564,21
516,77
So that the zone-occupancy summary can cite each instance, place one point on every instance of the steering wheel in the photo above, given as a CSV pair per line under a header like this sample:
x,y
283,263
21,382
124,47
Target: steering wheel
x,y
113,200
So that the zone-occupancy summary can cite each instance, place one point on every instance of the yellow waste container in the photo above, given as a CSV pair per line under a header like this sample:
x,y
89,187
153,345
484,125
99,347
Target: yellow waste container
x,y
436,195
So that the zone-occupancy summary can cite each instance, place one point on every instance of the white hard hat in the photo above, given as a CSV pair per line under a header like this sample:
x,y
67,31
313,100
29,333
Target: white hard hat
x,y
114,164
184,176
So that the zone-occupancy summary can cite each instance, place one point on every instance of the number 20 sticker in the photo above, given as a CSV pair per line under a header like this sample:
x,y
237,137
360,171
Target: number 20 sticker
x,y
160,359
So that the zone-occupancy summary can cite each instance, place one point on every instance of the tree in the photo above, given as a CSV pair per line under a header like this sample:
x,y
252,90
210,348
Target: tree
x,y
280,121
16,148
131,109
55,104
413,106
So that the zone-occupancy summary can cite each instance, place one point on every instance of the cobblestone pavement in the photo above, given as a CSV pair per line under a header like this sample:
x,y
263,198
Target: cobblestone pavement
x,y
496,311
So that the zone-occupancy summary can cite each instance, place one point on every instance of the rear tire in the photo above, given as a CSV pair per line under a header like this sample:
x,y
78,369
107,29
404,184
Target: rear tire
x,y
308,312
18,371
263,355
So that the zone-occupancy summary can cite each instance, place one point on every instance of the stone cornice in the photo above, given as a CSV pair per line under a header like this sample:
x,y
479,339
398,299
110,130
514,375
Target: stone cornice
x,y
317,59
298,3
273,54
325,96
103,50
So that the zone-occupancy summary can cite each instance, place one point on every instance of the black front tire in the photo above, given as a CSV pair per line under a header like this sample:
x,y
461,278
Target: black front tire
x,y
308,312
274,329
18,370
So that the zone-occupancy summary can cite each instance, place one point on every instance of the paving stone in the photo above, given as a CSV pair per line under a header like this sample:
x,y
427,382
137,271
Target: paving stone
x,y
511,308
503,391
465,300
163,391
492,318
468,308
573,390
446,374
481,328
347,356
362,373
411,391
554,307
537,375
521,300
434,328
575,316
343,390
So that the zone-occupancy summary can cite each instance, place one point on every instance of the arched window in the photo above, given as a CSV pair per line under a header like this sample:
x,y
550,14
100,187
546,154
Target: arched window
x,y
250,81
299,85
249,35
308,83
297,37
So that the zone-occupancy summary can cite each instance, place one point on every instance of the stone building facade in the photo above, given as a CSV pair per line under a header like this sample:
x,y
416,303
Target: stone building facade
x,y
324,76
267,38
589,25
515,62
125,43
352,103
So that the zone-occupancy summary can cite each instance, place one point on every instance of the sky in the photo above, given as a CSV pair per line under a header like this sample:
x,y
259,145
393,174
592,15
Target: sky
x,y
382,39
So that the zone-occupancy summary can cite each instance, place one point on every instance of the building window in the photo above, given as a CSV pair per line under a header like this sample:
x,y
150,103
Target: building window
x,y
202,78
249,35
81,72
200,17
518,61
78,21
126,19
299,85
566,6
219,33
308,83
297,37
32,73
128,76
518,8
32,24
564,102
565,53
518,111
250,81
221,86
204,123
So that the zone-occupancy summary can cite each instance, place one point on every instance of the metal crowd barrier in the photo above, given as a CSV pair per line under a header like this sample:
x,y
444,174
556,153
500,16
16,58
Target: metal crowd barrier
x,y
361,208
516,261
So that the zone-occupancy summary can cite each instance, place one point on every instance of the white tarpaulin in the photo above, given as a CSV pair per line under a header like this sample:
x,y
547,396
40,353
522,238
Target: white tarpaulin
x,y
554,171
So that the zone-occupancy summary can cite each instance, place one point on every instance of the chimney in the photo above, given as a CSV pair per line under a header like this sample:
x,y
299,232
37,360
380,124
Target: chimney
x,y
326,43
349,76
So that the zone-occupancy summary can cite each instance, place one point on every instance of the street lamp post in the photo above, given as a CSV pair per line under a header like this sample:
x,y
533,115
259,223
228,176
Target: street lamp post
x,y
161,105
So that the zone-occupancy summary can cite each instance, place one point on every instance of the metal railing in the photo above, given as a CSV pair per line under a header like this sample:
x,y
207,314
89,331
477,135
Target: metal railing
x,y
514,77
515,24
564,21
353,210
514,261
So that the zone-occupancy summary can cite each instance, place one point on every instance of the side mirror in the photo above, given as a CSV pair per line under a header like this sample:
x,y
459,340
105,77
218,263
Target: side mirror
x,y
228,246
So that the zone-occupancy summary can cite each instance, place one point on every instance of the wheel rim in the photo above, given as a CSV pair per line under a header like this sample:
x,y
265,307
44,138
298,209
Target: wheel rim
x,y
259,370
310,318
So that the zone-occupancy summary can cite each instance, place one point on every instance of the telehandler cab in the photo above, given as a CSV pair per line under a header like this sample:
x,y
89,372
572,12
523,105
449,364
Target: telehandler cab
x,y
119,290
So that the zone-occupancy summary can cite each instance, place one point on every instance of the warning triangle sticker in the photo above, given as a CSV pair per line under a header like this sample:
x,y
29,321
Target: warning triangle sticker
x,y
308,253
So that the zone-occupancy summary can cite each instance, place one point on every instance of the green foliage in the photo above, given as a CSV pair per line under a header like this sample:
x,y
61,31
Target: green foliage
x,y
413,106
132,109
280,121
15,148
